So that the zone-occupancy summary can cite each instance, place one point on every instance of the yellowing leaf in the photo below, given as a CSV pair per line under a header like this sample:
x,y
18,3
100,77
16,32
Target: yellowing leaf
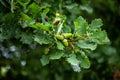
x,y
41,26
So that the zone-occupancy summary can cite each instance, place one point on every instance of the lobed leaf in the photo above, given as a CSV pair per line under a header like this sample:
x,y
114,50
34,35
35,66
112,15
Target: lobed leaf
x,y
26,20
44,60
99,37
85,44
42,39
34,9
72,59
60,45
56,55
26,38
76,68
23,3
95,24
41,26
81,26
85,63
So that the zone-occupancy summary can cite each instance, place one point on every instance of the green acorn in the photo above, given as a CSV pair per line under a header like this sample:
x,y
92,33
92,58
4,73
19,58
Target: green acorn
x,y
46,51
57,14
59,37
68,35
65,42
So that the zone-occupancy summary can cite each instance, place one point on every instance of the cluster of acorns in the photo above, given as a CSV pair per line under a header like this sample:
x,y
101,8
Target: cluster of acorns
x,y
64,37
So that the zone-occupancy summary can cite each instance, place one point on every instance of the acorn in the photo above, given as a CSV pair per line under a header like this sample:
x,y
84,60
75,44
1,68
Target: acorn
x,y
65,42
59,37
46,51
57,14
68,35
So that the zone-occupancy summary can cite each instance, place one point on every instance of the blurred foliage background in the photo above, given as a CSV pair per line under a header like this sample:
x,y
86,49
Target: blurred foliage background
x,y
18,63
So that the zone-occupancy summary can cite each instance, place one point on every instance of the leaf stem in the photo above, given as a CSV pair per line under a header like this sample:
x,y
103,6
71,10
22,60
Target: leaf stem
x,y
60,27
12,6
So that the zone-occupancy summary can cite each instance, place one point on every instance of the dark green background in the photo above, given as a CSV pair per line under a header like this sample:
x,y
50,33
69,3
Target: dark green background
x,y
105,60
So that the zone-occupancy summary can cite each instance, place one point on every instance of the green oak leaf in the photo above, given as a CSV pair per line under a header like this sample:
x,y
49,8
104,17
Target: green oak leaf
x,y
60,45
85,63
26,38
76,68
23,3
42,39
84,60
72,59
81,26
44,60
26,20
99,37
41,26
56,55
34,9
45,12
85,44
95,25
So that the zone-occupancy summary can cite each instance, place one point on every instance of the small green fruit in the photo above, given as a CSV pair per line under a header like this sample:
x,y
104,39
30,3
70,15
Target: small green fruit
x,y
4,71
60,37
68,35
57,14
46,51
65,42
